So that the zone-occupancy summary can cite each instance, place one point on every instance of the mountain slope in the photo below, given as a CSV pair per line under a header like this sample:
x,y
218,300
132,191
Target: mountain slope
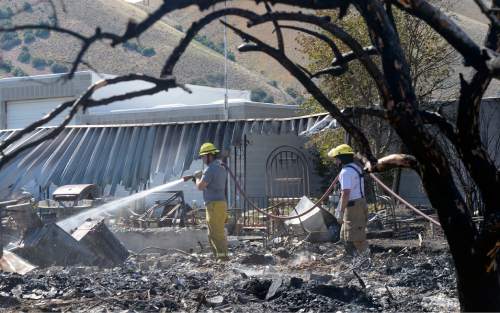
x,y
84,16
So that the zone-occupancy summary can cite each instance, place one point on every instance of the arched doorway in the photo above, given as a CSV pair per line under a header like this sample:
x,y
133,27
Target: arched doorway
x,y
287,175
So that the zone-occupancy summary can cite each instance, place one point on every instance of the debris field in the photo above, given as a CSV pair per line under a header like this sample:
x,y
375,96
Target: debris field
x,y
403,275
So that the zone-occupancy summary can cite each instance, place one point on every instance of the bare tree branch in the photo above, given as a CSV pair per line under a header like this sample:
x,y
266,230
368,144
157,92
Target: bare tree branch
x,y
308,84
448,29
392,161
277,29
83,102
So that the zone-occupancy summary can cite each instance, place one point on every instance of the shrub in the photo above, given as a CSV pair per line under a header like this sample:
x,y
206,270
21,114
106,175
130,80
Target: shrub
x,y
132,46
5,66
292,92
273,83
148,52
17,72
24,57
9,41
50,62
6,14
39,63
59,68
215,80
27,7
29,37
268,99
198,81
216,47
258,95
42,33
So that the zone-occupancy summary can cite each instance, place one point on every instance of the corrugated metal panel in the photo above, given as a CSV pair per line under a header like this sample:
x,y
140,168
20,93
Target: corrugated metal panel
x,y
129,155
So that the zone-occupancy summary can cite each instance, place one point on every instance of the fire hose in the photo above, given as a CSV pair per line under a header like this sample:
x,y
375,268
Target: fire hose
x,y
278,217
323,197
389,190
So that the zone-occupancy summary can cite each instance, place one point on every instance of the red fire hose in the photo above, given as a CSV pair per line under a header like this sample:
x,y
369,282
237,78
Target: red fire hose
x,y
328,191
278,217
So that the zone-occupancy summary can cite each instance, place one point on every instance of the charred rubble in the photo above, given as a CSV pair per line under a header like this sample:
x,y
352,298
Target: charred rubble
x,y
311,278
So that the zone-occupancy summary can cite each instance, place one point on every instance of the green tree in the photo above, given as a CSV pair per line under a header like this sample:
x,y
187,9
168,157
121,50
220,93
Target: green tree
x,y
24,57
29,37
38,63
429,56
27,7
59,68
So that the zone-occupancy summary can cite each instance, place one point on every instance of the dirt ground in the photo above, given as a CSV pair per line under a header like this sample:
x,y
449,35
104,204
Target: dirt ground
x,y
297,277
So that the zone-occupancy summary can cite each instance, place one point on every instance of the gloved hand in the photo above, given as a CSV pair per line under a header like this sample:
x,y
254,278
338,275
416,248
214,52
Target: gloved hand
x,y
198,174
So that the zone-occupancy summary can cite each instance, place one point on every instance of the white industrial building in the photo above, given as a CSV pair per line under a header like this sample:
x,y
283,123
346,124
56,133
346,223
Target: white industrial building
x,y
262,139
178,116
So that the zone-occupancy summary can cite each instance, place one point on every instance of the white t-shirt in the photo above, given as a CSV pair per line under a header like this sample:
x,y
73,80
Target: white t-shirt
x,y
349,179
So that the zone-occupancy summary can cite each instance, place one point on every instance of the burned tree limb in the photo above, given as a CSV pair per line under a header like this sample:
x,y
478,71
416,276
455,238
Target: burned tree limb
x,y
351,56
487,12
392,161
341,67
308,84
336,31
448,29
470,148
277,29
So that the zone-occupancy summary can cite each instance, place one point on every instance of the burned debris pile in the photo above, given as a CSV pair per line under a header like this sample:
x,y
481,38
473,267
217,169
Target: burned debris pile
x,y
312,278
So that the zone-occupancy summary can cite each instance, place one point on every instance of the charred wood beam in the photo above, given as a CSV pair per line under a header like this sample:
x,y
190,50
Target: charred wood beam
x,y
316,92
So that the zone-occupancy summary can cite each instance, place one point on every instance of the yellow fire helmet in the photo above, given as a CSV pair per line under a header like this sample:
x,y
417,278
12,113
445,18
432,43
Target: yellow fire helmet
x,y
208,148
339,150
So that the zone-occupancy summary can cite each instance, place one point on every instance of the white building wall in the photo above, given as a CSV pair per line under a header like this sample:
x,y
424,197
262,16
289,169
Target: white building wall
x,y
259,149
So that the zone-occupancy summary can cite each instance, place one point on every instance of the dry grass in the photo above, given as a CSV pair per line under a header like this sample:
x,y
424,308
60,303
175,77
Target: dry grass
x,y
112,15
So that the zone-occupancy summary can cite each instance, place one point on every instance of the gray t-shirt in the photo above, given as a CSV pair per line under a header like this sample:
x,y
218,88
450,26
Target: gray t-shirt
x,y
215,176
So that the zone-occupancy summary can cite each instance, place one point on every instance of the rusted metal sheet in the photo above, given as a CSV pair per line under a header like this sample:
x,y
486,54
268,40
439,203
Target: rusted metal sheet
x,y
51,245
76,192
96,237
128,155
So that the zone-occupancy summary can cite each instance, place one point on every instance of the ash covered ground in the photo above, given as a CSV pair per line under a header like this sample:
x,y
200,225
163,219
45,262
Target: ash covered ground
x,y
297,277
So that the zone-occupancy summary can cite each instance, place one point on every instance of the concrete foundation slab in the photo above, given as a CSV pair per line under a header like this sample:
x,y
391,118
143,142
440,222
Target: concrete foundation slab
x,y
164,238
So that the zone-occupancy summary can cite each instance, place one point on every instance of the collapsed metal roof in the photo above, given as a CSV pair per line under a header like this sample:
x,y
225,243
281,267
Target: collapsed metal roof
x,y
129,155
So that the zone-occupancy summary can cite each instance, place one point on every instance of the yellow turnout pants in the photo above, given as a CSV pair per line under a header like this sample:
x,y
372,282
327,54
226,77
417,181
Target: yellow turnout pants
x,y
216,218
354,225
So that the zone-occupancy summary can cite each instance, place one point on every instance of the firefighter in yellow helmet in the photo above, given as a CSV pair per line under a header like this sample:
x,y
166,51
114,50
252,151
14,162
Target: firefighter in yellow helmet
x,y
352,211
213,184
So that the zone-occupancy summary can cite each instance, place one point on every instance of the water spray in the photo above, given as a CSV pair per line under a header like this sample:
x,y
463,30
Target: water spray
x,y
100,211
